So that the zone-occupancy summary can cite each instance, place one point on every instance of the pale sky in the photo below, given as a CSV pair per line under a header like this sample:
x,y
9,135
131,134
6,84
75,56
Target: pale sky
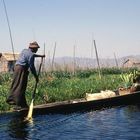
x,y
114,24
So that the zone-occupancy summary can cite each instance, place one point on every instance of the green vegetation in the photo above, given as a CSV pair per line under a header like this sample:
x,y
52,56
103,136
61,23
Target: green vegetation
x,y
128,78
63,85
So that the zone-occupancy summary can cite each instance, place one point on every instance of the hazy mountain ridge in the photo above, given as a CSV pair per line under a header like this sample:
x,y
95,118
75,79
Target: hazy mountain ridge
x,y
89,62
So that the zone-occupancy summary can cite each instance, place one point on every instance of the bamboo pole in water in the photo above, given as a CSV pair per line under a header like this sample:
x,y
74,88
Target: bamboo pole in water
x,y
116,61
97,58
10,33
53,57
44,64
49,61
74,47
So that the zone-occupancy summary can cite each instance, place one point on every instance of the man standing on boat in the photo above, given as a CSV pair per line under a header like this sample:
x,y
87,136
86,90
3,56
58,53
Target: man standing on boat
x,y
20,76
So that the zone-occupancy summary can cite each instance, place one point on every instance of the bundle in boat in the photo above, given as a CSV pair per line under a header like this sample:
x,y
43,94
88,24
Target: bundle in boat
x,y
101,95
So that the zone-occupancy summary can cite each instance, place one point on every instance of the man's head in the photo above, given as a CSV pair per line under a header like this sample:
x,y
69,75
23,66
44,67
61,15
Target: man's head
x,y
34,46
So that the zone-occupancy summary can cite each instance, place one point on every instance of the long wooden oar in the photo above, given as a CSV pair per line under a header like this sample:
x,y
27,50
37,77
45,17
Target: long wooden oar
x,y
30,112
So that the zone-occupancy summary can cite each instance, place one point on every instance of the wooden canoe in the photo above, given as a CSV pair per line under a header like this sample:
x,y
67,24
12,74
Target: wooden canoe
x,y
79,105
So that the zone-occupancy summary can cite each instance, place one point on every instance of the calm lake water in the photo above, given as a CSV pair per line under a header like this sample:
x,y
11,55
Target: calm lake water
x,y
119,123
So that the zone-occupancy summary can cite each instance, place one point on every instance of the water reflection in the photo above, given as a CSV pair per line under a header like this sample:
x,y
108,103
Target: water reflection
x,y
18,128
131,111
132,108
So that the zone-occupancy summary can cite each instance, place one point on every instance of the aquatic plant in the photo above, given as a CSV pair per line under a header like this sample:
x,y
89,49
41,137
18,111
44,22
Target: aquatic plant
x,y
129,77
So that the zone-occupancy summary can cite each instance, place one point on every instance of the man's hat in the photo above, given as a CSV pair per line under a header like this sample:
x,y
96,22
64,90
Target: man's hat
x,y
34,45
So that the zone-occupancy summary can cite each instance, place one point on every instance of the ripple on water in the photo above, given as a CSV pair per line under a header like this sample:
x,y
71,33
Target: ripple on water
x,y
114,123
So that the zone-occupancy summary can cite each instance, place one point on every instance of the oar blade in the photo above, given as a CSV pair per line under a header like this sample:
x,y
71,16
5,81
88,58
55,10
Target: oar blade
x,y
30,112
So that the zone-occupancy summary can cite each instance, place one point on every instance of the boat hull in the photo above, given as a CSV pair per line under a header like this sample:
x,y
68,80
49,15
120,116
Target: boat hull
x,y
80,105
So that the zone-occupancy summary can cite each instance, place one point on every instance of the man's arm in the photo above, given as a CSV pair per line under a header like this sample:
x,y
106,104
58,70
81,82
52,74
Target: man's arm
x,y
33,69
38,55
